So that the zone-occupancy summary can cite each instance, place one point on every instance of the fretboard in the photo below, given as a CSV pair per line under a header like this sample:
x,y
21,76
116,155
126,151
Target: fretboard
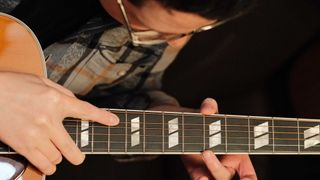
x,y
153,132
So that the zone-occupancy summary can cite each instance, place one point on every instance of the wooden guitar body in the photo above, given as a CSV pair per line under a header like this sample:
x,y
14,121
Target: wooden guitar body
x,y
20,51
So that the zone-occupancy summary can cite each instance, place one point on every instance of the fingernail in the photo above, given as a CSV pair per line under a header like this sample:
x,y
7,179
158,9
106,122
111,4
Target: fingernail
x,y
114,119
207,155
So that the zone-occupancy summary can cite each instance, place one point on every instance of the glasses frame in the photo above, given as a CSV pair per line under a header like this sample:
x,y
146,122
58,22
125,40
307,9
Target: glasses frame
x,y
135,39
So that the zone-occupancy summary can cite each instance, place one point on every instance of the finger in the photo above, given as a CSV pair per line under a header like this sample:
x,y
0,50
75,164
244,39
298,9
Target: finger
x,y
66,145
58,87
213,164
76,108
242,164
51,152
40,161
209,106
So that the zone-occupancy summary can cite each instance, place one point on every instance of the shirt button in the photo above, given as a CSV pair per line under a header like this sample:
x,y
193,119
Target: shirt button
x,y
122,73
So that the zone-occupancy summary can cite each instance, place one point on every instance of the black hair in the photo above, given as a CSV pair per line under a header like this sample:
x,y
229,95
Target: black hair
x,y
210,9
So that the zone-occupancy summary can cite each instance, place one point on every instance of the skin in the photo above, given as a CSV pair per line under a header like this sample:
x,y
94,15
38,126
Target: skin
x,y
31,120
160,20
207,165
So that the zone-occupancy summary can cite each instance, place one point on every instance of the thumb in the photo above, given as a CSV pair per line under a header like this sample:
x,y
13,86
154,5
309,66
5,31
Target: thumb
x,y
209,106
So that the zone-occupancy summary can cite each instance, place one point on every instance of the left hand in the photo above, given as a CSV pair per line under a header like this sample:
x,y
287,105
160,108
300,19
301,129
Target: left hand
x,y
207,166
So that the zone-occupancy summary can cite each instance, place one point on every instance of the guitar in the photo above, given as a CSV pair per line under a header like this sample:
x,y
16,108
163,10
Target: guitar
x,y
153,132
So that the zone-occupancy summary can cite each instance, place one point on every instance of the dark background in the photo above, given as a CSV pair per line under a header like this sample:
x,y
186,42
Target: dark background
x,y
264,63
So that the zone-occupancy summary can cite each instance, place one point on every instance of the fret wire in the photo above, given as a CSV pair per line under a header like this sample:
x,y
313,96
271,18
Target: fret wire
x,y
226,132
109,135
182,119
249,133
126,131
162,131
109,139
77,133
273,135
144,131
92,136
298,124
204,132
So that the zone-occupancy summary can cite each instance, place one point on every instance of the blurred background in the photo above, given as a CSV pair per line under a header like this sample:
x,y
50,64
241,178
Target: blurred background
x,y
264,63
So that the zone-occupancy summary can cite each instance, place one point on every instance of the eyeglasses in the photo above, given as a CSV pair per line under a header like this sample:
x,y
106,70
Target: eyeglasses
x,y
153,37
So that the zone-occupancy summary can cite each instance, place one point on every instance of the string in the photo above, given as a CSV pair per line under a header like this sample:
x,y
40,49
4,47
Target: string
x,y
200,137
186,124
187,114
200,130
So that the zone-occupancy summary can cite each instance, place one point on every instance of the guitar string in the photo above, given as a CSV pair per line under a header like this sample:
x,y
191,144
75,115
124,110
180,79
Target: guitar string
x,y
190,136
200,124
206,130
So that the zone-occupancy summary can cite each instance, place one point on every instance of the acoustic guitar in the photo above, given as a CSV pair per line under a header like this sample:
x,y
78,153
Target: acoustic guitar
x,y
152,132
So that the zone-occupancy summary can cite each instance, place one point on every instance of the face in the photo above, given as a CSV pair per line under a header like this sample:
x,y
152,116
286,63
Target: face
x,y
152,16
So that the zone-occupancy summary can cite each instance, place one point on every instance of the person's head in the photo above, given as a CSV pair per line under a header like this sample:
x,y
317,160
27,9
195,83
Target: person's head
x,y
172,18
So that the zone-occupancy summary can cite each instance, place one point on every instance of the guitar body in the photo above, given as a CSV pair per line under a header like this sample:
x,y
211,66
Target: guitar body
x,y
20,51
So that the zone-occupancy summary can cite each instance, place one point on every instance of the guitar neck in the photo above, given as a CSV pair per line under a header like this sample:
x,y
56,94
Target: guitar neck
x,y
153,132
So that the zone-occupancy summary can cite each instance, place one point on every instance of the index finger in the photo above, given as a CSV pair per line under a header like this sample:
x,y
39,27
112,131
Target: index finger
x,y
73,107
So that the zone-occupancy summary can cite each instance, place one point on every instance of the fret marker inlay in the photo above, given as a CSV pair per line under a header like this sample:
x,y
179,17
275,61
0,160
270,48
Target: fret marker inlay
x,y
135,133
311,136
173,127
261,135
84,133
214,134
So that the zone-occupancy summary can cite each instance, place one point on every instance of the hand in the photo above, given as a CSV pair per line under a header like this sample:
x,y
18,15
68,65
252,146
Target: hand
x,y
32,111
208,166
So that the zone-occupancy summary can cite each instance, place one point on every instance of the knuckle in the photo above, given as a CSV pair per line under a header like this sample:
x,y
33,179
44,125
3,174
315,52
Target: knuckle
x,y
58,159
54,96
49,169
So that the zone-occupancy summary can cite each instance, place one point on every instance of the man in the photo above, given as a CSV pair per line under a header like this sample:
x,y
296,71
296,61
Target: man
x,y
103,61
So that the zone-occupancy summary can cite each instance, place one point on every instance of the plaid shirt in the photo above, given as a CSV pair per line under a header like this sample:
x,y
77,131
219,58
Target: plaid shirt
x,y
99,64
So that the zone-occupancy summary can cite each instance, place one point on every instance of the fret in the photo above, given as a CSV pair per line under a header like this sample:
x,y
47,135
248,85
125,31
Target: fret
x,y
193,132
144,132
109,139
273,146
153,132
70,125
163,136
309,136
172,132
100,138
261,135
118,133
298,135
215,133
135,132
183,138
249,135
285,135
226,133
204,132
126,131
237,134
